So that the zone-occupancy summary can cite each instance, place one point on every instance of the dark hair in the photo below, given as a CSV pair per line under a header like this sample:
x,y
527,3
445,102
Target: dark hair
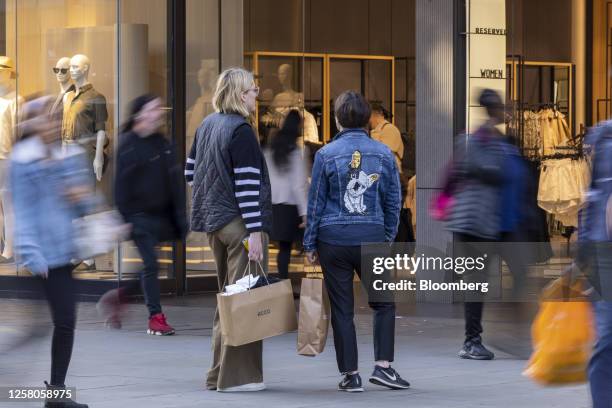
x,y
491,100
352,110
284,142
378,107
135,107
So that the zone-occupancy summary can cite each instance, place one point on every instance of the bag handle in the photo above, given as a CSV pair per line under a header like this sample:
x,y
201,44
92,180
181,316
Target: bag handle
x,y
248,269
316,269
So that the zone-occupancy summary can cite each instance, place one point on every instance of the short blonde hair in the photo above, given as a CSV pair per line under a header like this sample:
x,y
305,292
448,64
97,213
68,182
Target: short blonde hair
x,y
231,84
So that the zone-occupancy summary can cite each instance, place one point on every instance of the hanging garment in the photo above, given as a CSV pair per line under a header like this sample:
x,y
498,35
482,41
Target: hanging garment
x,y
554,131
410,201
582,172
274,117
563,184
532,140
311,132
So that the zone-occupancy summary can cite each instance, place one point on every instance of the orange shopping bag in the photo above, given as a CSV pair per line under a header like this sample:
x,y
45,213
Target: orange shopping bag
x,y
562,334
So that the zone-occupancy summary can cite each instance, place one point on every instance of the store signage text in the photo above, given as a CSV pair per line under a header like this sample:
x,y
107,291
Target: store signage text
x,y
486,55
492,73
490,31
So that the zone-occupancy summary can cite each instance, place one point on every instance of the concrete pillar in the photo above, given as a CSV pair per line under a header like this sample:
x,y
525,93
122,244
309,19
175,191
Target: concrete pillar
x,y
579,59
435,35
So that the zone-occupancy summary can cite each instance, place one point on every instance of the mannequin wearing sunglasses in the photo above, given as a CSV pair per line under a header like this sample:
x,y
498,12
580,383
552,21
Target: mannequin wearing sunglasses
x,y
85,114
62,74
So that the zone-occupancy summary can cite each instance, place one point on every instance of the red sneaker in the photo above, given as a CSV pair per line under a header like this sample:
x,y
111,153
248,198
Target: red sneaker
x,y
158,325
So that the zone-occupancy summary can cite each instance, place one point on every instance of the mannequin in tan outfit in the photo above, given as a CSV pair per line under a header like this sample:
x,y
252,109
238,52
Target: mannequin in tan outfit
x,y
10,103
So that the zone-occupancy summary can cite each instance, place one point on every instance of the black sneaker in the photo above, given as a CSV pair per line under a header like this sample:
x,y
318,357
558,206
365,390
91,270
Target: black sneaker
x,y
61,402
351,383
474,350
388,377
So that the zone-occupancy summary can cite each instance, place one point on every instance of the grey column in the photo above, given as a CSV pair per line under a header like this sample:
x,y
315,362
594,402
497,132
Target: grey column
x,y
435,34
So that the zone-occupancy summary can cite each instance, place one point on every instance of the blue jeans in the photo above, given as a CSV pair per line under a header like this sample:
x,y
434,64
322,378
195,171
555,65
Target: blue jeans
x,y
600,367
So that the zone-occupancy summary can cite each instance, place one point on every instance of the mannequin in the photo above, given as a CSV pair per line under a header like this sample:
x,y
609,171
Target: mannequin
x,y
85,114
9,109
84,120
289,99
203,105
62,74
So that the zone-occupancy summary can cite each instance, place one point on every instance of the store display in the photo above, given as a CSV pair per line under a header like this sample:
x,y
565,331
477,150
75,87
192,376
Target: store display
x,y
85,116
371,75
207,75
289,99
542,121
10,102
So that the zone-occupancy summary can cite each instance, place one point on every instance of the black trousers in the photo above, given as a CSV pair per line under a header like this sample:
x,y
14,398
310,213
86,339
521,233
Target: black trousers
x,y
472,309
60,291
514,258
147,232
284,258
339,263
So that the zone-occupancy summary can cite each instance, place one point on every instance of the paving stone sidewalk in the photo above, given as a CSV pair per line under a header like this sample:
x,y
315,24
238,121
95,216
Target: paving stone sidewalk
x,y
128,368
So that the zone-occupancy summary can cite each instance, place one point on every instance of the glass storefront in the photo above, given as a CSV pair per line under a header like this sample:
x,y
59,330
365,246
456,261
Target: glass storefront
x,y
304,54
302,59
122,47
546,100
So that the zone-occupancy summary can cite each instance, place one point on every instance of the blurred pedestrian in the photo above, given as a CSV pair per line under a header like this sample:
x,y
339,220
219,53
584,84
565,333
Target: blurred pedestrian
x,y
231,203
595,256
51,187
354,198
475,217
287,169
516,217
149,194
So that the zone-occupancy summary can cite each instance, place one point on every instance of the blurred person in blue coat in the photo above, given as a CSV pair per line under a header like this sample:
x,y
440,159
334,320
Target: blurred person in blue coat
x,y
51,186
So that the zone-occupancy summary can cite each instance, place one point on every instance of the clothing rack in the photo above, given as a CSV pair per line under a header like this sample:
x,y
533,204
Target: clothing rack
x,y
575,154
558,156
538,106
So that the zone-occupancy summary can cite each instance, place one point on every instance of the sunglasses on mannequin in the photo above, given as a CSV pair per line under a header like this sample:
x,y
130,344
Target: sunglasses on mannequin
x,y
58,70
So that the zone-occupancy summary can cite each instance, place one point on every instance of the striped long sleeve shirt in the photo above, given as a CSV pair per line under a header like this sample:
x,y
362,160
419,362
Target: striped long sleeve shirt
x,y
246,164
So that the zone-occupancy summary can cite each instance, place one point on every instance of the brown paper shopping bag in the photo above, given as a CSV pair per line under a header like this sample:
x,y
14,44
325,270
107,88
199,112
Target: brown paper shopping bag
x,y
257,314
314,317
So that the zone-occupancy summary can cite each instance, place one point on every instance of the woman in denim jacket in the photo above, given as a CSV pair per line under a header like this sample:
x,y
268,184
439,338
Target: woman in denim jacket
x,y
50,185
354,198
